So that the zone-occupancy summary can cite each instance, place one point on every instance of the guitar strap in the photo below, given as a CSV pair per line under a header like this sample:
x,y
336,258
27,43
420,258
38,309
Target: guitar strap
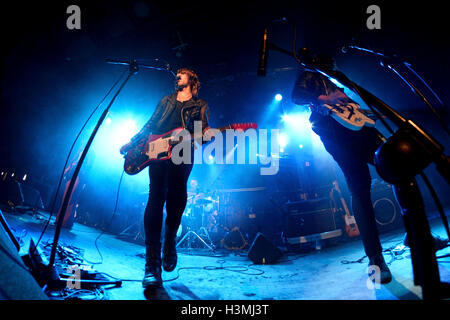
x,y
182,114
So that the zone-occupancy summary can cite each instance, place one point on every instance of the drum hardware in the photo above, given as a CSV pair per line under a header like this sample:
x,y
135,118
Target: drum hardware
x,y
202,233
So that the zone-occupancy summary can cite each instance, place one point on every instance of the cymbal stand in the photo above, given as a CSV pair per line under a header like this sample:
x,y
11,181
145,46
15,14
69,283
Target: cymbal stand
x,y
192,233
202,228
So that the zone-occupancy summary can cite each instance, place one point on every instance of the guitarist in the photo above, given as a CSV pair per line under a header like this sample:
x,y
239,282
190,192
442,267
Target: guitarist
x,y
352,150
168,181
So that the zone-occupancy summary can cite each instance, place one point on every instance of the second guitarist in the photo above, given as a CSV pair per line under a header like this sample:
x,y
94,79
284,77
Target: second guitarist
x,y
352,150
168,181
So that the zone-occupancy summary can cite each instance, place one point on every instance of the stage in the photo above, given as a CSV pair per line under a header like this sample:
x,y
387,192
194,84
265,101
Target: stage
x,y
229,274
255,122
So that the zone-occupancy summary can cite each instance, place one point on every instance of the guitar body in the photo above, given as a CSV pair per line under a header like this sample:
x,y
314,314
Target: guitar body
x,y
151,148
350,116
159,147
351,228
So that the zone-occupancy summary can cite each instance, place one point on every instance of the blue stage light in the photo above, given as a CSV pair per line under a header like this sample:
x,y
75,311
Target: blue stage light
x,y
278,97
283,139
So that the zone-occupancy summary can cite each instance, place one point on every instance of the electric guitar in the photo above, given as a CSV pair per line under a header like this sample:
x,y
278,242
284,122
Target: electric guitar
x,y
350,224
350,115
159,147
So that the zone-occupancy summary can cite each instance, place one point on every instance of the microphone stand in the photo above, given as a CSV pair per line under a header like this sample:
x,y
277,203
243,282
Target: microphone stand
x,y
388,62
51,274
398,160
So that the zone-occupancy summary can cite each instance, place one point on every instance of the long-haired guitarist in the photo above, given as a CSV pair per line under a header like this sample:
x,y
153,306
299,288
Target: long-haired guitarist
x,y
351,147
168,181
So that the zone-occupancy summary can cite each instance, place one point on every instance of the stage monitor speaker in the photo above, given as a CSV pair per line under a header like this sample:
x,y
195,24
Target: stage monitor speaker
x,y
387,211
16,282
262,251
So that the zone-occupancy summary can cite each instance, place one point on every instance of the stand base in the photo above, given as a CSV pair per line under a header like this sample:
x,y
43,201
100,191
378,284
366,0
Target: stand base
x,y
189,234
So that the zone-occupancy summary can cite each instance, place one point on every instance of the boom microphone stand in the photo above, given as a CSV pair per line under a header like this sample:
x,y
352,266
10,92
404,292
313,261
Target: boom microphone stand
x,y
51,274
389,61
404,155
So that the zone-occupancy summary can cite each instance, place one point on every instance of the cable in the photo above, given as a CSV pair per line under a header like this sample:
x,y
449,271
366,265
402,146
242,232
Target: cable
x,y
242,270
390,250
68,157
238,269
110,221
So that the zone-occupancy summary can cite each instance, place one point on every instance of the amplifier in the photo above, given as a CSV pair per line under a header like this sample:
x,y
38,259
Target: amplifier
x,y
388,214
309,217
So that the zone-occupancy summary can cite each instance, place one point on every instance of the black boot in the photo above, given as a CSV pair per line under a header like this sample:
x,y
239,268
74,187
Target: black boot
x,y
170,250
385,273
439,243
152,277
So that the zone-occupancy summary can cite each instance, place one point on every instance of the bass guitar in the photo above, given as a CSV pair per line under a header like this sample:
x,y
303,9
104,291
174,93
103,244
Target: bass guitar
x,y
159,147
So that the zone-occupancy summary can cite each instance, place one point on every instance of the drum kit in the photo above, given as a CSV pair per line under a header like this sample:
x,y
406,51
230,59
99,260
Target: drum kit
x,y
206,221
201,223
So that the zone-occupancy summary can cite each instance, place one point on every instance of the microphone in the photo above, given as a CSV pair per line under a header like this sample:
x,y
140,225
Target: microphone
x,y
262,63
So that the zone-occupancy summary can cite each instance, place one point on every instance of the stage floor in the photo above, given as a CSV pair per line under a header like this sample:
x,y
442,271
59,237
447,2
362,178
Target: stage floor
x,y
230,275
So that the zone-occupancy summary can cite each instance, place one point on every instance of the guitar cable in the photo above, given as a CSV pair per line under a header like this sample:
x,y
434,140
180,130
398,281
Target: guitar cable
x,y
109,224
68,157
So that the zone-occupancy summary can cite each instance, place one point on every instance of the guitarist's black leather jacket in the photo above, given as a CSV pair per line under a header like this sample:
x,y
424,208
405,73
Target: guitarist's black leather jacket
x,y
309,86
194,110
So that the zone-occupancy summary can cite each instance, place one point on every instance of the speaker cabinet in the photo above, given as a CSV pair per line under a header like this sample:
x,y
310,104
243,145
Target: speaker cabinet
x,y
387,211
309,217
262,251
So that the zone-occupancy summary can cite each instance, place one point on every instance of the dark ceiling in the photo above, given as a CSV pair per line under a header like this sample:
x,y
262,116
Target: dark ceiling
x,y
43,63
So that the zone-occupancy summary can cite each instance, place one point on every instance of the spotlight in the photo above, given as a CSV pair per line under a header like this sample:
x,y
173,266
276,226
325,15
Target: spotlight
x,y
300,146
278,97
283,140
210,160
108,121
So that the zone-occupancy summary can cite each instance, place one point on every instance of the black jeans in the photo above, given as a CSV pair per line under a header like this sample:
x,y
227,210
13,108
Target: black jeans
x,y
353,151
168,184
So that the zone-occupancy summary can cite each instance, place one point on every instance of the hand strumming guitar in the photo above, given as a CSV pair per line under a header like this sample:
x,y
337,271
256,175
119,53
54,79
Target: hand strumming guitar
x,y
334,98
